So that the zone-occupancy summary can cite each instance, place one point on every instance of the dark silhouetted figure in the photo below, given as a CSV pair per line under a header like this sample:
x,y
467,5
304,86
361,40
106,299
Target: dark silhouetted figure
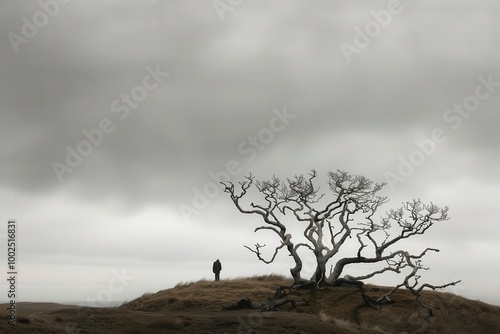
x,y
217,267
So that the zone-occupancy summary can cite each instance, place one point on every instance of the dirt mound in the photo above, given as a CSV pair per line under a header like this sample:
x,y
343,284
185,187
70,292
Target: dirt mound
x,y
198,308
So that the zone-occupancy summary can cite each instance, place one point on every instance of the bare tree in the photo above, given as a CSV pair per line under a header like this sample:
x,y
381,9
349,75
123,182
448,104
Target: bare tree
x,y
328,223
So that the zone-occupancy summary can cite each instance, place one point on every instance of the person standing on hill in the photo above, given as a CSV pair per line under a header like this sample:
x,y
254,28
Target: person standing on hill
x,y
217,267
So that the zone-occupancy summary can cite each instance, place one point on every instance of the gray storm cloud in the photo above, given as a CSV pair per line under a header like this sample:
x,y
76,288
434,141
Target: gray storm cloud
x,y
225,79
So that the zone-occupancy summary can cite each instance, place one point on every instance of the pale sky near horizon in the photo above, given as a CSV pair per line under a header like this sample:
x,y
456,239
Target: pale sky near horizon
x,y
174,94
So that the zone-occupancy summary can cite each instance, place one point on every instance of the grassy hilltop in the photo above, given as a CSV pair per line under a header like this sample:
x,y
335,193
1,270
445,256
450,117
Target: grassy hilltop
x,y
197,308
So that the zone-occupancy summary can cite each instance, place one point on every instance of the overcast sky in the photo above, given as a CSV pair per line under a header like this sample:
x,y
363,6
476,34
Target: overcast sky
x,y
116,115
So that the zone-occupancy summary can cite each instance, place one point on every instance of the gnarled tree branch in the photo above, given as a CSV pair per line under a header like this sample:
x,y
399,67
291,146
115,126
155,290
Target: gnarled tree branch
x,y
327,225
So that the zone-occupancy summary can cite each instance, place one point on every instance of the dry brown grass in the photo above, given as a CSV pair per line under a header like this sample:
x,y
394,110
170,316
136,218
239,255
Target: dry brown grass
x,y
208,295
196,307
